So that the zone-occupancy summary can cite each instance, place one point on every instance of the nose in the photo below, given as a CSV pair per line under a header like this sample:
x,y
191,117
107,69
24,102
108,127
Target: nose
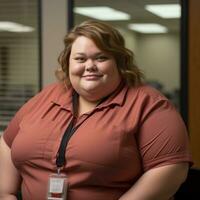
x,y
90,65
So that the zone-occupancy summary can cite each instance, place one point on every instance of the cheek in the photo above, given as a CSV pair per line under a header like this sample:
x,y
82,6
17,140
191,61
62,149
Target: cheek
x,y
110,69
75,69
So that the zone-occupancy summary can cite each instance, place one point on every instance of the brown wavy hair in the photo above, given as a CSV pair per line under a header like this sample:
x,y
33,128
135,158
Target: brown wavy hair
x,y
109,40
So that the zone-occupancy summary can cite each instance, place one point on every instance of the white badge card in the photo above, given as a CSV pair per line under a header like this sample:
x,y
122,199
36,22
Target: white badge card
x,y
57,189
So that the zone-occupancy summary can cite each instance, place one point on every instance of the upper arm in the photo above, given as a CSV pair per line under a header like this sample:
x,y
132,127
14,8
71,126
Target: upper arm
x,y
159,183
163,138
10,178
165,180
168,177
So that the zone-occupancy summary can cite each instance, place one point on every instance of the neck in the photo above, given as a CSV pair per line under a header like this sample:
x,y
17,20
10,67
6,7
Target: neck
x,y
85,105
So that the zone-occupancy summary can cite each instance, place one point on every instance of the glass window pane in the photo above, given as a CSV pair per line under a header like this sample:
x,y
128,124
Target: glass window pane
x,y
19,55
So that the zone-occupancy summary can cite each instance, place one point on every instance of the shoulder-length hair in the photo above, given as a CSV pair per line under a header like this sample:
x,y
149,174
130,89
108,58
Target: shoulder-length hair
x,y
107,39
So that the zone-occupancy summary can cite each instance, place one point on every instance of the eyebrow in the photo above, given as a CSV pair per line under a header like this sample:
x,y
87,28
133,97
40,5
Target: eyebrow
x,y
83,54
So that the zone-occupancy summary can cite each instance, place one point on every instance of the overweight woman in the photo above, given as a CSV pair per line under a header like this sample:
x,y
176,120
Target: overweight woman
x,y
99,133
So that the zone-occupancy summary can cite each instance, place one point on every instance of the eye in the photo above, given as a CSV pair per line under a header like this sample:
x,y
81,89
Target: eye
x,y
102,58
80,59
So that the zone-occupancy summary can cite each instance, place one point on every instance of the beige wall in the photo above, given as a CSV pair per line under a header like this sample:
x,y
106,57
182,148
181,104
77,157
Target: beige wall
x,y
159,57
131,39
54,28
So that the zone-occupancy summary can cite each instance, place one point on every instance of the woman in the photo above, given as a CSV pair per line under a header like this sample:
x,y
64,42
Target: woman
x,y
112,136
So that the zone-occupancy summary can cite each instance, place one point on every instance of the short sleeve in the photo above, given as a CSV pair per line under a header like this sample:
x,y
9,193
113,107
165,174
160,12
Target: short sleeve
x,y
163,137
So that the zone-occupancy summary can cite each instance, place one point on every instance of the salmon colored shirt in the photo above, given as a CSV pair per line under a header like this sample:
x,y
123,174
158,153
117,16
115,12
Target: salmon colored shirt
x,y
132,131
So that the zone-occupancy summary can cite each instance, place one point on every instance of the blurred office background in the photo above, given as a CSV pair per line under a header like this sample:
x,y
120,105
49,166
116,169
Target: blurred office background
x,y
31,38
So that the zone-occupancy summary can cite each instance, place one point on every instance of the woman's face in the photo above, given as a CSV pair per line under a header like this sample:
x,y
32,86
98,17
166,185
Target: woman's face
x,y
92,72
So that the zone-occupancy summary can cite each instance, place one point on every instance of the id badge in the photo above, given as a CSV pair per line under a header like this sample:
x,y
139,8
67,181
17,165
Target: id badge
x,y
57,188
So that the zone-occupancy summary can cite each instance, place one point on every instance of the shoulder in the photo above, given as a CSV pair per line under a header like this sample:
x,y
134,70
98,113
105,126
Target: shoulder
x,y
146,95
48,94
34,105
145,91
54,89
149,100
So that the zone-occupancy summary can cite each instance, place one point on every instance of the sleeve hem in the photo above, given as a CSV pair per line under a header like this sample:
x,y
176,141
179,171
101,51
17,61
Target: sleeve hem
x,y
7,141
167,160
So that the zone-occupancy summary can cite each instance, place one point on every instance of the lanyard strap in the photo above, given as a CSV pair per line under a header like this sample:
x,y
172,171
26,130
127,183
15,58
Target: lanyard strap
x,y
71,129
60,160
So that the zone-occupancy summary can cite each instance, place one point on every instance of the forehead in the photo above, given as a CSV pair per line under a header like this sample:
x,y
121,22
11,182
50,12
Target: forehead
x,y
83,43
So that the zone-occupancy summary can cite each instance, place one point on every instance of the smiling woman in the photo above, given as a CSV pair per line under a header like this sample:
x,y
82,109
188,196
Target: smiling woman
x,y
105,134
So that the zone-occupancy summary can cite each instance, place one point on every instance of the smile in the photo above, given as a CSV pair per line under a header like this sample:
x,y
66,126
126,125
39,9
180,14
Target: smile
x,y
92,76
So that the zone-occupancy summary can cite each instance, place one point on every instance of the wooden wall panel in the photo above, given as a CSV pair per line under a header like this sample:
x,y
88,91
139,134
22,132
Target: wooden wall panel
x,y
194,78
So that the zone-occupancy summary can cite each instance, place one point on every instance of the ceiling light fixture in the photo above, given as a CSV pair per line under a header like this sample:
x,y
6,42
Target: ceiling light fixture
x,y
165,10
102,13
14,27
148,28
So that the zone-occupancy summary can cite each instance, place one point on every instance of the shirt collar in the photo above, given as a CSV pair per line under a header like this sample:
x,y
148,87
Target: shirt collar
x,y
117,97
64,97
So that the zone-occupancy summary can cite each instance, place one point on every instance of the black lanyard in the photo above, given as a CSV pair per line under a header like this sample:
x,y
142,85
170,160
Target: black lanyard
x,y
60,160
70,130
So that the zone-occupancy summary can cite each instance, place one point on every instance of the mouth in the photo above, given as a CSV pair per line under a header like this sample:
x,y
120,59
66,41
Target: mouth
x,y
88,75
92,76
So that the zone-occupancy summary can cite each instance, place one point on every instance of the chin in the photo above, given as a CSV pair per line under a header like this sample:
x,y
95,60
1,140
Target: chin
x,y
92,88
91,94
90,91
